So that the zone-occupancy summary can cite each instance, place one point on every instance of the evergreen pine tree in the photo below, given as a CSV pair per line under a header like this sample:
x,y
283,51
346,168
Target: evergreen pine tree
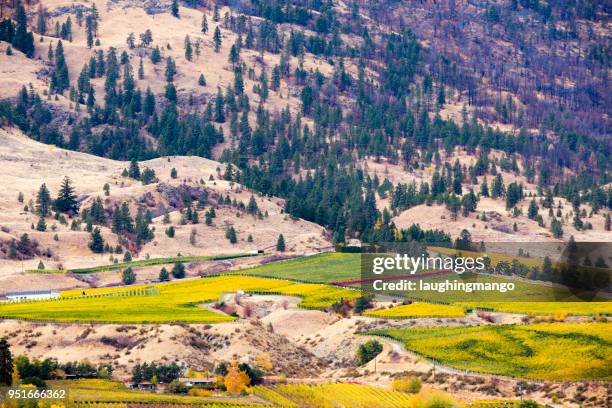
x,y
230,234
188,48
202,80
174,8
66,201
498,187
141,70
6,363
164,275
178,270
280,243
217,39
128,276
60,79
556,228
252,207
43,201
170,69
276,78
23,40
216,13
89,31
41,23
204,24
41,225
134,171
155,55
532,212
484,188
96,244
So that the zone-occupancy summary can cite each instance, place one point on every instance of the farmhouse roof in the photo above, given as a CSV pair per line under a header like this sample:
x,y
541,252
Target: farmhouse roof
x,y
31,292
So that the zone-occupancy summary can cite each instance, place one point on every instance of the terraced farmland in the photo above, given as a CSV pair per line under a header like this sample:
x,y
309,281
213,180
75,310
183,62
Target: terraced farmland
x,y
165,303
418,309
106,394
538,308
322,268
345,395
551,351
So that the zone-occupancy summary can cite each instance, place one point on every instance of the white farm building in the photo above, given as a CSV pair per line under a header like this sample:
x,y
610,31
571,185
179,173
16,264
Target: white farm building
x,y
31,295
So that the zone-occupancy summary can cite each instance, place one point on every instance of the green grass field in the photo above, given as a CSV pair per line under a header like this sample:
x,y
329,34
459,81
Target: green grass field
x,y
551,351
170,302
322,268
142,263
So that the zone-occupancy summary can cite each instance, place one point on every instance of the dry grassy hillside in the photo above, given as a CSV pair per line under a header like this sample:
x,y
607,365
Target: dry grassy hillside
x,y
33,163
119,18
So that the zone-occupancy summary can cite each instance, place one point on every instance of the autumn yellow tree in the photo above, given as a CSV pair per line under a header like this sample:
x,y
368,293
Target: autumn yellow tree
x,y
236,381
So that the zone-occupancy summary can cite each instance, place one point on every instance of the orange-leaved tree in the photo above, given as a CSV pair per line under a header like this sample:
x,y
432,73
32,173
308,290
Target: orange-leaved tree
x,y
236,381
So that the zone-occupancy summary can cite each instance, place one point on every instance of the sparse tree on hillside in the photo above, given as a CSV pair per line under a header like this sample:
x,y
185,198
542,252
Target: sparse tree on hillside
x,y
131,40
43,201
556,228
66,201
263,81
164,275
216,13
89,30
217,39
134,171
188,48
230,234
498,187
170,69
41,23
219,107
532,212
178,270
252,207
41,225
484,188
276,78
96,243
128,276
174,8
234,55
202,80
204,24
368,351
146,38
60,79
141,70
280,243
155,55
